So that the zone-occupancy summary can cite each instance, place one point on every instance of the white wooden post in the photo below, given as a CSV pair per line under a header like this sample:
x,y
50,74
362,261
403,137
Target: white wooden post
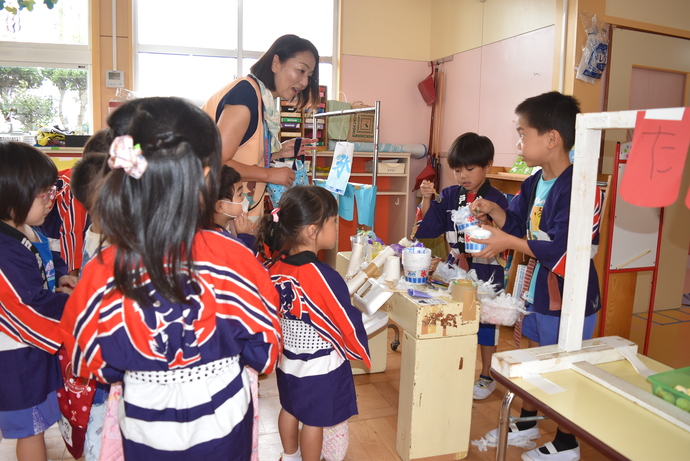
x,y
587,145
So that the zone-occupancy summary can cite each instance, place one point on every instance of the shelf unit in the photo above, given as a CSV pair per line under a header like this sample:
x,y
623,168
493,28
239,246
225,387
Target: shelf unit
x,y
392,195
298,123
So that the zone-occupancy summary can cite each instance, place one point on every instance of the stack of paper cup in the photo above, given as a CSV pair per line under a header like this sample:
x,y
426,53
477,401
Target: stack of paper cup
x,y
356,259
392,268
416,262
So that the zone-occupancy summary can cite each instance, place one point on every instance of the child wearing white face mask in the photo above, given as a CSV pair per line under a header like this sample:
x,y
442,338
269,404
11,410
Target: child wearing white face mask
x,y
230,211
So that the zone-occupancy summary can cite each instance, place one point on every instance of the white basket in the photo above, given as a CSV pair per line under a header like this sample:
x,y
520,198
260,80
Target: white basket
x,y
27,138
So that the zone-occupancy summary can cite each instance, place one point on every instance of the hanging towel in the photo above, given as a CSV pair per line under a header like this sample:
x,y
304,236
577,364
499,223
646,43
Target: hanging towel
x,y
366,203
346,206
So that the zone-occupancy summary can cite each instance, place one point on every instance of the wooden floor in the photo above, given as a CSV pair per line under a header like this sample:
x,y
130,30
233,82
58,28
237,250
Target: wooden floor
x,y
372,432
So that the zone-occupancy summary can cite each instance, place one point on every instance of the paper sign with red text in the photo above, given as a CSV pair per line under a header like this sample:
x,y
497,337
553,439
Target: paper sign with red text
x,y
657,157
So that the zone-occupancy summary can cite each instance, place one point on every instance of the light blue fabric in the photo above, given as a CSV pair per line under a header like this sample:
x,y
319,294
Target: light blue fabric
x,y
276,191
346,205
322,183
365,194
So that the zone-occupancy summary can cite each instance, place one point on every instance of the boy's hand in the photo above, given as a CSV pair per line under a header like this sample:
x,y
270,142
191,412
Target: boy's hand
x,y
66,284
497,243
427,189
242,224
480,208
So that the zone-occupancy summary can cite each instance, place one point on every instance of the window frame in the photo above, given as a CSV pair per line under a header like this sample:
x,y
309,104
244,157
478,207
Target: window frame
x,y
54,55
238,54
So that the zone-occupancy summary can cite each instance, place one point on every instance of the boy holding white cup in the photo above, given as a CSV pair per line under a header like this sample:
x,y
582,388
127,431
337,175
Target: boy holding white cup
x,y
470,157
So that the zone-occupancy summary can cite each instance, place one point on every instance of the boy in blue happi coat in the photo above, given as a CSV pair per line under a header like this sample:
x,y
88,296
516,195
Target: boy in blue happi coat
x,y
470,157
541,211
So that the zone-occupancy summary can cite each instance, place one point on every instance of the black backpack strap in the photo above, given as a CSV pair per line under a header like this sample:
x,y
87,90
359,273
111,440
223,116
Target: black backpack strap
x,y
530,205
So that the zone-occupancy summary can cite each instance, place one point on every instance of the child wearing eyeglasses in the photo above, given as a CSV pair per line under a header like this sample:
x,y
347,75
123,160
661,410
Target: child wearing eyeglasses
x,y
34,287
231,208
172,308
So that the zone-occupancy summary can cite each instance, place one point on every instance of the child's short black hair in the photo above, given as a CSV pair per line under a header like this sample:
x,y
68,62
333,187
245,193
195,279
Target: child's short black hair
x,y
85,175
470,149
228,178
24,173
99,143
551,111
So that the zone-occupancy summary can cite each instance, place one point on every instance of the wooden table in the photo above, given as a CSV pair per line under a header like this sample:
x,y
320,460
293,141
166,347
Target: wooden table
x,y
614,425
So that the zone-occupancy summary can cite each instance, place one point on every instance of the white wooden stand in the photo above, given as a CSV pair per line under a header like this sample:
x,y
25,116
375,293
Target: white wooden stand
x,y
571,352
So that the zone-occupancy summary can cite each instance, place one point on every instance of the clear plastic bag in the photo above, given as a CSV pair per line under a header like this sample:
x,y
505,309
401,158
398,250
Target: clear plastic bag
x,y
596,49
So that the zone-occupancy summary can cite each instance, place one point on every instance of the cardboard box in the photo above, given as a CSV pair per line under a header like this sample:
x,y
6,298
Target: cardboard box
x,y
386,167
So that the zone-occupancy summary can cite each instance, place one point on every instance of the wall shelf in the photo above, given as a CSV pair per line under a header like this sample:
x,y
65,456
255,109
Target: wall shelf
x,y
390,221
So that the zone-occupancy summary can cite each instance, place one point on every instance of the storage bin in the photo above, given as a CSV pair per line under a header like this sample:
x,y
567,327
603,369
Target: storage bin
x,y
663,386
386,167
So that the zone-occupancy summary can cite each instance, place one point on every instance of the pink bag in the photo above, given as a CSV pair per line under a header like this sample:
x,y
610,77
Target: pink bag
x,y
111,444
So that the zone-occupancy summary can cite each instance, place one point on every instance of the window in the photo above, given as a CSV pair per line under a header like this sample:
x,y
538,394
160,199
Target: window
x,y
220,41
45,61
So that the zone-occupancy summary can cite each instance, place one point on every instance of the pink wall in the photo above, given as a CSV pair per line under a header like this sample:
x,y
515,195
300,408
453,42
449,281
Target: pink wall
x,y
404,115
484,85
512,70
481,89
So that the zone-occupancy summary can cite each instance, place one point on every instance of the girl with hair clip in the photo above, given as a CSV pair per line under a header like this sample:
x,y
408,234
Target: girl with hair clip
x,y
248,117
322,330
172,310
34,286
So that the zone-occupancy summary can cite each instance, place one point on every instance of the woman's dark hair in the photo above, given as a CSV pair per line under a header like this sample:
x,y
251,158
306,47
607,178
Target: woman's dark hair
x,y
551,111
228,178
24,173
287,47
85,176
470,149
299,206
98,143
152,220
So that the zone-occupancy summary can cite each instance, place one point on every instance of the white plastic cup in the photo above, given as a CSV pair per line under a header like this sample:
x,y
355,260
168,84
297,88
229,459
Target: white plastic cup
x,y
469,223
356,259
416,262
392,268
475,233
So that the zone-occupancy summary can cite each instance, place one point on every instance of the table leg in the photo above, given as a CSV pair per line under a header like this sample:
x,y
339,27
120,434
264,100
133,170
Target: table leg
x,y
503,422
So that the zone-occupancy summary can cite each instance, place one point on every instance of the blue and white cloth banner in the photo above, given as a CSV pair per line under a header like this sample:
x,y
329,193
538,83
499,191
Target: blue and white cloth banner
x,y
340,168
